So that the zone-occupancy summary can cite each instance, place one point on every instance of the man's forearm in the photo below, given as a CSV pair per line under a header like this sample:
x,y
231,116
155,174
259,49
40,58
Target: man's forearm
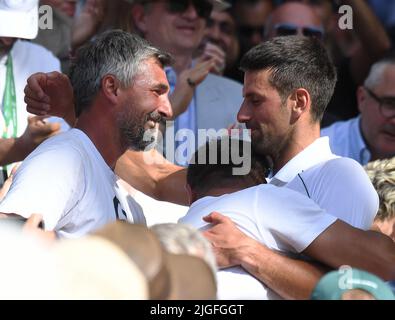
x,y
342,244
13,150
154,176
290,278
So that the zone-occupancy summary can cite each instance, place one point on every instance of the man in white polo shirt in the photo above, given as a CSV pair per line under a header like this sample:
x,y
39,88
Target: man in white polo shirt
x,y
279,218
287,86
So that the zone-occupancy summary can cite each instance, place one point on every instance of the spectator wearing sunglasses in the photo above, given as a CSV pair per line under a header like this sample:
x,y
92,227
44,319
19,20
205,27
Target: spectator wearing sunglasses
x,y
300,19
352,63
178,26
294,19
371,135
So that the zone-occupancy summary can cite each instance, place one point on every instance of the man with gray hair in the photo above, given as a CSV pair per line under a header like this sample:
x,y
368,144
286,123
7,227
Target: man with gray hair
x,y
371,135
120,91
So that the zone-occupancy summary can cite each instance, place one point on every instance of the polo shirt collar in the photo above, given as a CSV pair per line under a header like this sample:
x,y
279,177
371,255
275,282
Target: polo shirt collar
x,y
317,152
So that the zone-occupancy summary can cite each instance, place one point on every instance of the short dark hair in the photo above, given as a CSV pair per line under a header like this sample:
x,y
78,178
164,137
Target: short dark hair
x,y
113,52
205,176
296,62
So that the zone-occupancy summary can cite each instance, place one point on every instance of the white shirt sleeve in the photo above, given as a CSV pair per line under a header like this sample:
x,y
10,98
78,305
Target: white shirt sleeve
x,y
293,220
49,182
343,189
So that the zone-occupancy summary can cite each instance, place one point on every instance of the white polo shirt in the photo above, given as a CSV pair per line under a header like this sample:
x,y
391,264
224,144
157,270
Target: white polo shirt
x,y
338,185
345,139
280,218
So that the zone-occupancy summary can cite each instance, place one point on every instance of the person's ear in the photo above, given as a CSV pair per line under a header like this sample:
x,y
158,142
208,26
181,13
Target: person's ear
x,y
110,88
300,103
139,18
361,98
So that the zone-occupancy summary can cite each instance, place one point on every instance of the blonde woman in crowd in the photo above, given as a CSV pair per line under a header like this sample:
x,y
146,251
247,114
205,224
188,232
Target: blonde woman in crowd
x,y
382,174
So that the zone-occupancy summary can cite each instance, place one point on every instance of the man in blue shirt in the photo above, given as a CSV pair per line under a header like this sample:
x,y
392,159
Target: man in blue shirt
x,y
371,135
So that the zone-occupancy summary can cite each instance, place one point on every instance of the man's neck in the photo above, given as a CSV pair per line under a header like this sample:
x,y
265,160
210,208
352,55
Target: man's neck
x,y
217,192
103,135
299,141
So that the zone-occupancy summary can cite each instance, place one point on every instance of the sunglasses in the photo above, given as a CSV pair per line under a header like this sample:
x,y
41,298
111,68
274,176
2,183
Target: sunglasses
x,y
203,7
386,104
289,29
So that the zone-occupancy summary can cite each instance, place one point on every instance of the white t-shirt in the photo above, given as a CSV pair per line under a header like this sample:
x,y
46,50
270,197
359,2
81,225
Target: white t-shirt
x,y
338,185
281,219
67,181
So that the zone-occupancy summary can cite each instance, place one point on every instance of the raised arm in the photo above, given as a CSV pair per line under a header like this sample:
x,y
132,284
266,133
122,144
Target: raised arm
x,y
187,81
50,94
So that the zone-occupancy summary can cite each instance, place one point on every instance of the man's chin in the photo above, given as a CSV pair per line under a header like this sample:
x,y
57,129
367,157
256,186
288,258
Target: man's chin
x,y
142,145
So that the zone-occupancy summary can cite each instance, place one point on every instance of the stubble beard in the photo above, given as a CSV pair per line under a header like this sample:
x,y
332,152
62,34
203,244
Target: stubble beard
x,y
133,133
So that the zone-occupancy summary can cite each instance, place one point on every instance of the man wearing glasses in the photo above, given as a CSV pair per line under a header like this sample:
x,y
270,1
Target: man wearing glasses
x,y
371,135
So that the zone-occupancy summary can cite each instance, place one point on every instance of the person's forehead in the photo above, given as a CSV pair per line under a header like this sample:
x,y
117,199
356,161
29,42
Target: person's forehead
x,y
222,17
248,14
386,84
256,80
296,13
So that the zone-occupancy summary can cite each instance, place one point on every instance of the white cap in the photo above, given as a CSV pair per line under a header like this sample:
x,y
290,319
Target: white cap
x,y
19,18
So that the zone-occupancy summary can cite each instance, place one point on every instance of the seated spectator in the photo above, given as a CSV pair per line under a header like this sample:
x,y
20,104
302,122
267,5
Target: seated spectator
x,y
170,276
351,284
371,135
382,175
